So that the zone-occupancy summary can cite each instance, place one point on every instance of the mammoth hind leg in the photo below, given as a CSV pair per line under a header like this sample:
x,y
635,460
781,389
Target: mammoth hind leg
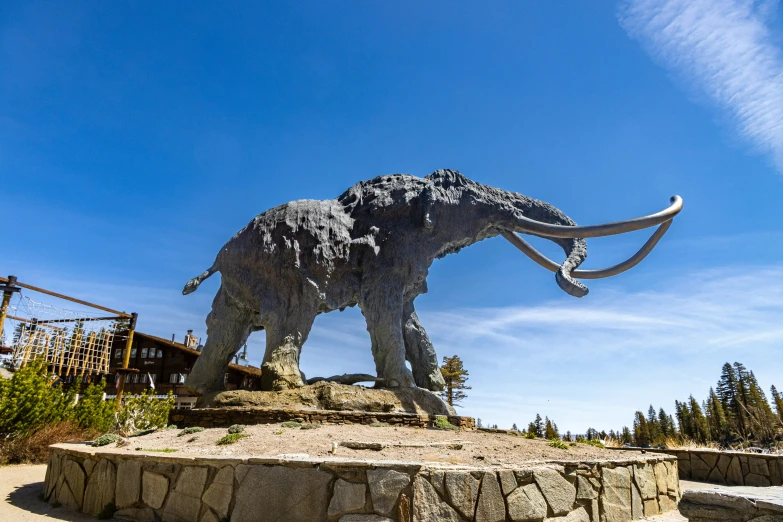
x,y
285,335
420,352
228,326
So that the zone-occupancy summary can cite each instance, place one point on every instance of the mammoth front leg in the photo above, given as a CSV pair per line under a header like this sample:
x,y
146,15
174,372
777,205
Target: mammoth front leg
x,y
285,336
228,326
382,309
420,352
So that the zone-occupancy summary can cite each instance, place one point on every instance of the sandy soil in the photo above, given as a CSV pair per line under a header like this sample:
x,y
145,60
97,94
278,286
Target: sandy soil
x,y
20,490
479,449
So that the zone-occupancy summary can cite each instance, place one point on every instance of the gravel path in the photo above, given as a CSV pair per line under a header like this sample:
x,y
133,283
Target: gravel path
x,y
20,491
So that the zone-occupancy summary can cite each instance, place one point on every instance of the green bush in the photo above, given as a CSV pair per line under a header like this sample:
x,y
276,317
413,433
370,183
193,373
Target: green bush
x,y
106,439
231,438
92,411
593,442
143,412
236,428
442,423
188,431
557,443
291,424
27,401
379,424
530,435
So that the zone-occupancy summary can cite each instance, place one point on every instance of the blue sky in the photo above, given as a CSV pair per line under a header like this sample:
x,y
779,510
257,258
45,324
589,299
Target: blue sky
x,y
136,139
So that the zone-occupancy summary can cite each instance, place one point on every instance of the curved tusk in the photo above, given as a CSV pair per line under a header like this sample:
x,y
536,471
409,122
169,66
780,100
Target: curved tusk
x,y
538,228
619,268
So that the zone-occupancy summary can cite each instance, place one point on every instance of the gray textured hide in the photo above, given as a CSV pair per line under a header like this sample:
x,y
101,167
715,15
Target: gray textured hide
x,y
372,247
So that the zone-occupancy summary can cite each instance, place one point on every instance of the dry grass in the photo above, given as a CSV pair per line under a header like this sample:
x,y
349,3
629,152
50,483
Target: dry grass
x,y
613,443
680,443
33,448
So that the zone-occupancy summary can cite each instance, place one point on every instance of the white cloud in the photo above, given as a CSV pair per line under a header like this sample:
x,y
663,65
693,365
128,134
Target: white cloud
x,y
724,49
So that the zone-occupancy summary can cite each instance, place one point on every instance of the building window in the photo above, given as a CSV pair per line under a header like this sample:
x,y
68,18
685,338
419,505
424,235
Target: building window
x,y
177,378
133,353
143,353
160,354
135,378
127,378
143,379
118,353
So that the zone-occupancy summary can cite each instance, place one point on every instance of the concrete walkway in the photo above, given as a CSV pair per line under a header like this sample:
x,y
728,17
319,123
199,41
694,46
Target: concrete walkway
x,y
20,497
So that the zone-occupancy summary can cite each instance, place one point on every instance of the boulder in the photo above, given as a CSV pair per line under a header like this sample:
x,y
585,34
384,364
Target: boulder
x,y
732,504
100,487
128,483
526,503
463,490
184,501
559,493
73,495
508,482
428,506
218,494
616,498
348,497
490,506
385,488
580,515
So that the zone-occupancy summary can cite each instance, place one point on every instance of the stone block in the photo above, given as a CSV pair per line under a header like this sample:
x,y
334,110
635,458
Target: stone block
x,y
291,494
462,488
637,508
437,479
709,458
88,465
559,493
100,487
52,474
665,503
184,500
685,469
758,466
209,516
385,488
579,515
744,464
490,506
74,477
672,478
716,477
751,479
616,498
661,478
137,515
154,489
428,506
734,475
524,476
526,503
723,464
644,476
128,487
584,489
348,497
218,494
651,507
775,477
508,482
699,469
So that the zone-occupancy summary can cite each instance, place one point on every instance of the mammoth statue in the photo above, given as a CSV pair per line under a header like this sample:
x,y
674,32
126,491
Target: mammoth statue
x,y
373,247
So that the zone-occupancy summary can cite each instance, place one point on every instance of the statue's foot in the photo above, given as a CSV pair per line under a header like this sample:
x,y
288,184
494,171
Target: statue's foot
x,y
204,385
399,379
434,381
277,376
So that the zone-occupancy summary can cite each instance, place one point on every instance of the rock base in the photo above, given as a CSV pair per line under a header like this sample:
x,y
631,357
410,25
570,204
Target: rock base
x,y
146,486
325,395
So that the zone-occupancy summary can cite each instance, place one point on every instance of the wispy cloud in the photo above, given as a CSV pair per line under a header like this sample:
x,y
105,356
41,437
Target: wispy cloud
x,y
724,49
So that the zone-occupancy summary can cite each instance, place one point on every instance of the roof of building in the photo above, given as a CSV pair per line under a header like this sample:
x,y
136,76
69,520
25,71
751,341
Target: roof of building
x,y
249,370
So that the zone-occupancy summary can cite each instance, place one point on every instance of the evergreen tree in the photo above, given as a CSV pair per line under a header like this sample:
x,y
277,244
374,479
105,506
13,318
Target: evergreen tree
x,y
550,430
625,437
478,423
514,427
567,437
653,427
641,435
716,417
538,426
665,423
777,399
684,419
700,428
455,376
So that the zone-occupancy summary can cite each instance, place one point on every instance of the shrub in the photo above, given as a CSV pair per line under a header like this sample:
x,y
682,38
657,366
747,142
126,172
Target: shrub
x,y
291,424
379,425
33,446
106,439
92,411
557,443
310,426
188,431
236,428
231,438
144,432
143,412
530,435
442,423
593,442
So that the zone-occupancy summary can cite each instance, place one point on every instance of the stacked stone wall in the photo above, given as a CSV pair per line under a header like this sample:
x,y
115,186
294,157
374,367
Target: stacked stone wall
x,y
151,487
729,467
225,417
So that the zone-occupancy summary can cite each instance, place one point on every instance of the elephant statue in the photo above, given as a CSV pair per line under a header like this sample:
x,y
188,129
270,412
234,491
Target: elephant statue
x,y
373,247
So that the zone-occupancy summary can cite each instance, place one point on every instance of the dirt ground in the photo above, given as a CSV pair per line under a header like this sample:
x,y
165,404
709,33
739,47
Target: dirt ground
x,y
471,448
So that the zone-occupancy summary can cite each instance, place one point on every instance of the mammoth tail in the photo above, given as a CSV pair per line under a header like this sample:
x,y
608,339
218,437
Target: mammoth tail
x,y
192,285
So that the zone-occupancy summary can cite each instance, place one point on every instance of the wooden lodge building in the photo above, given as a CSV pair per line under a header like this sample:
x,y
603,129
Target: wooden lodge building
x,y
167,363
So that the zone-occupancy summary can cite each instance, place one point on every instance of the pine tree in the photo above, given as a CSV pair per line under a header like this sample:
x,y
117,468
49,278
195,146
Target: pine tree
x,y
567,436
684,419
550,430
777,399
641,435
716,417
701,430
536,427
664,421
514,427
653,426
626,437
478,423
455,376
